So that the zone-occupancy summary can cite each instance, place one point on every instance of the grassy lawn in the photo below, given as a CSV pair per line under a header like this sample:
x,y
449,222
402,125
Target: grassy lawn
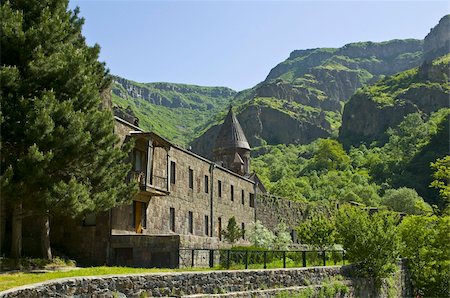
x,y
8,281
11,280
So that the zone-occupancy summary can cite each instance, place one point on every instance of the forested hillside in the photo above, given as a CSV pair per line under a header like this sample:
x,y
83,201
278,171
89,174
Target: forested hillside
x,y
178,112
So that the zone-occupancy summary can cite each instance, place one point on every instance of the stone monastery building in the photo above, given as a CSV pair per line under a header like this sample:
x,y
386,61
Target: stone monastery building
x,y
184,201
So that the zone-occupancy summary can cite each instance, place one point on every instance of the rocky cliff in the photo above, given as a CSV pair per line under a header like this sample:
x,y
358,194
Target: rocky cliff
x,y
302,98
425,89
372,110
437,42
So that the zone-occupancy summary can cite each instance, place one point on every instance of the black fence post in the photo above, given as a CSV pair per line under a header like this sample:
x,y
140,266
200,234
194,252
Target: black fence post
x,y
324,255
284,259
265,259
304,258
246,259
192,257
343,257
211,258
228,259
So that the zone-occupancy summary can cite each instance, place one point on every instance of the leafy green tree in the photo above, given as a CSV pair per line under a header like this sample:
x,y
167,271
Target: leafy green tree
x,y
282,237
425,242
59,151
233,232
441,180
318,231
369,240
260,236
406,200
329,155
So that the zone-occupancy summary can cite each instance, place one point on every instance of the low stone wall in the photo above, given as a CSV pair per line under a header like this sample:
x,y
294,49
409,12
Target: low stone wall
x,y
232,283
176,284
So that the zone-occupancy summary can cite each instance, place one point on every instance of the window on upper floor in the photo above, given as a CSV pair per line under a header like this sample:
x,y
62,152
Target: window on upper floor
x,y
206,184
243,197
172,172
191,178
252,200
138,160
219,188
232,192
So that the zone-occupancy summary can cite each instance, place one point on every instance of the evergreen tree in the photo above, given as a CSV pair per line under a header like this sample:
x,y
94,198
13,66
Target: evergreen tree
x,y
59,151
233,232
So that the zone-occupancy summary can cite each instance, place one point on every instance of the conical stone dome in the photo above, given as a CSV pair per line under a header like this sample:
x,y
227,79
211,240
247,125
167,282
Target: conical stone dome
x,y
231,134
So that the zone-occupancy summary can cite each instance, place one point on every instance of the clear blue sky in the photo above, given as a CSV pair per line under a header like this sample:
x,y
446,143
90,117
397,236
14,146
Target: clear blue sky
x,y
236,43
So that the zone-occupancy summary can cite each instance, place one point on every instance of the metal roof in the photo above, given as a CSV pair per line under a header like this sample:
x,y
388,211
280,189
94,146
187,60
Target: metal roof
x,y
231,134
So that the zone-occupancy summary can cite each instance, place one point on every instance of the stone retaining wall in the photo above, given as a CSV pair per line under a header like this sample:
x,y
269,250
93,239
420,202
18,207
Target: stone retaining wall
x,y
236,283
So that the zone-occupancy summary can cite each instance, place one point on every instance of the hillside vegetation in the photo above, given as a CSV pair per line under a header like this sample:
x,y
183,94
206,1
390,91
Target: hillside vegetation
x,y
302,98
178,112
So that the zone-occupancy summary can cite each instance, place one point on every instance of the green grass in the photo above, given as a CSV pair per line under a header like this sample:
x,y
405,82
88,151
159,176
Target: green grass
x,y
11,280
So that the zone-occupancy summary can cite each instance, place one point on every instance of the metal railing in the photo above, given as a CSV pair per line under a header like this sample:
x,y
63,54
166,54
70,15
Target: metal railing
x,y
259,259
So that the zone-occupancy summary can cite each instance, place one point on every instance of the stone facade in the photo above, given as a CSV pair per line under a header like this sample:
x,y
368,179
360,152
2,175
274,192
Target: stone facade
x,y
184,201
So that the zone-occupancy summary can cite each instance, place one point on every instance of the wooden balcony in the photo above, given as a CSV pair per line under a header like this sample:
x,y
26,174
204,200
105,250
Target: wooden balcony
x,y
156,186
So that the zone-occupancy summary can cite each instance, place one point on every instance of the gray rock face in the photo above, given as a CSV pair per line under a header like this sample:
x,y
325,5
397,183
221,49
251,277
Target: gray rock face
x,y
172,95
320,80
366,119
437,42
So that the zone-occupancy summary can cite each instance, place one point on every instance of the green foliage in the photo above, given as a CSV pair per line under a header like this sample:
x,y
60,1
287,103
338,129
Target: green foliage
x,y
425,244
317,231
441,180
178,112
369,240
59,151
282,237
233,232
320,171
406,200
329,155
260,236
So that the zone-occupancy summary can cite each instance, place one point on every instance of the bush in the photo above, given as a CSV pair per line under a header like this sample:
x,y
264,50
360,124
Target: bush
x,y
369,240
425,242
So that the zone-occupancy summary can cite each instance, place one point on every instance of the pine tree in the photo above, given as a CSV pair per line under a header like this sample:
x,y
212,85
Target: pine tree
x,y
59,152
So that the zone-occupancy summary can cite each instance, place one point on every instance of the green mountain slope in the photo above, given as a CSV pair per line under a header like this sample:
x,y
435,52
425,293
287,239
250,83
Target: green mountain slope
x,y
178,112
302,98
374,109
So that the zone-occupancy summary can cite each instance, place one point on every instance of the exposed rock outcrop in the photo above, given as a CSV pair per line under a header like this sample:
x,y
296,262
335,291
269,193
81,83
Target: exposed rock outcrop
x,y
371,111
437,42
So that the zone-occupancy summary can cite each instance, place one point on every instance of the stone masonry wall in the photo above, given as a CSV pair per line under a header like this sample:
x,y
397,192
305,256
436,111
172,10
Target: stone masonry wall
x,y
273,210
237,283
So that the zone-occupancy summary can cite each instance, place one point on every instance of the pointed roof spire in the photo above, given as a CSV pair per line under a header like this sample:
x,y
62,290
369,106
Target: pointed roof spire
x,y
231,134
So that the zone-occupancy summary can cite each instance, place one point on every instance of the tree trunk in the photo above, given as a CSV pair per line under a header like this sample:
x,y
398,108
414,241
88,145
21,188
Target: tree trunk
x,y
45,238
16,233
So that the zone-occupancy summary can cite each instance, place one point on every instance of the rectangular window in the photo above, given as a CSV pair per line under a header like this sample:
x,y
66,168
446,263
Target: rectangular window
x,y
191,222
219,228
243,230
243,197
206,225
206,184
191,178
252,200
172,172
219,188
232,192
138,160
172,219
